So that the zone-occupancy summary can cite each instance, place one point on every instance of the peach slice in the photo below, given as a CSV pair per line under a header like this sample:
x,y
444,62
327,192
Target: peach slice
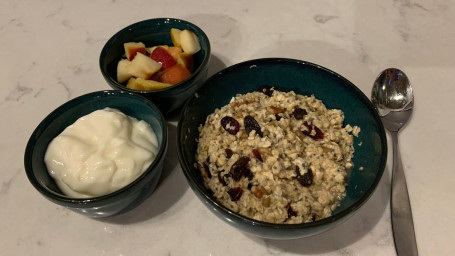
x,y
150,85
132,48
175,74
145,85
143,66
132,84
186,60
174,51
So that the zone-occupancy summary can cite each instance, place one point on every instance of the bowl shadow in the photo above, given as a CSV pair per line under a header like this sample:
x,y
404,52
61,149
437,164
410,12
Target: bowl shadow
x,y
342,236
171,187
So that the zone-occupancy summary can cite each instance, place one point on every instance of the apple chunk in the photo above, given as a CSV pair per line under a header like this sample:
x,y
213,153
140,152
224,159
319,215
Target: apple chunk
x,y
189,42
175,36
132,48
143,66
123,70
174,51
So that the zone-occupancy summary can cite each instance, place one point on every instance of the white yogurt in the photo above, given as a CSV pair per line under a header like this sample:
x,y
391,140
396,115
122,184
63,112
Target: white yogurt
x,y
100,153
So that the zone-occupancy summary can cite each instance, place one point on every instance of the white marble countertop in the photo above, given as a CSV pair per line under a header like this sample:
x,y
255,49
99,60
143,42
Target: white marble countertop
x,y
49,54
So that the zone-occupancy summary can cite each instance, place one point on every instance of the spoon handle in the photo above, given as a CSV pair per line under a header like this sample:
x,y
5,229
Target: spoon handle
x,y
402,224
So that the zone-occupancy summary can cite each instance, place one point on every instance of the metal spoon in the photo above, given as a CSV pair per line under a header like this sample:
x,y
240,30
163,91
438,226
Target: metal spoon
x,y
393,97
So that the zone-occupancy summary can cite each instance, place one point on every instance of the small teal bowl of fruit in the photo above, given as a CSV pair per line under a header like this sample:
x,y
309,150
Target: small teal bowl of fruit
x,y
304,78
119,201
163,59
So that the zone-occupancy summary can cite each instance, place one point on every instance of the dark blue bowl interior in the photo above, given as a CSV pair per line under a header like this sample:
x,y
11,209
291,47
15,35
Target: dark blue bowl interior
x,y
154,32
303,78
65,115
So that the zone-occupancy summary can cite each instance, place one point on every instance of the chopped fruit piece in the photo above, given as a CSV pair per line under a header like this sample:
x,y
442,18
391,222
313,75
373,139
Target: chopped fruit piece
x,y
123,70
299,113
132,84
251,124
174,51
189,42
143,66
132,48
150,85
175,36
306,179
291,212
313,131
276,110
162,55
186,60
221,179
207,170
240,168
175,74
145,85
151,49
231,125
259,191
229,153
235,193
257,154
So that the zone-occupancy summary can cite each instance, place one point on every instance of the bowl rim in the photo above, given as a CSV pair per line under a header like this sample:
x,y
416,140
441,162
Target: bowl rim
x,y
112,81
87,202
252,222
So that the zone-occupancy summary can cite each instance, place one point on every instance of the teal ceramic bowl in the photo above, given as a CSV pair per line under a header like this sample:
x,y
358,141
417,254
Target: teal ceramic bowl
x,y
303,78
114,203
157,32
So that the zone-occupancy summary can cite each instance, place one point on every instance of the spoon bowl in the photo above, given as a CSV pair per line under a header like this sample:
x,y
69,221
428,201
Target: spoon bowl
x,y
393,97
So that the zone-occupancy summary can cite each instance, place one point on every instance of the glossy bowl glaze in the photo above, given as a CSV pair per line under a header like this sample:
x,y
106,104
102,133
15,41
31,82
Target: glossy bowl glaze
x,y
303,78
114,203
156,32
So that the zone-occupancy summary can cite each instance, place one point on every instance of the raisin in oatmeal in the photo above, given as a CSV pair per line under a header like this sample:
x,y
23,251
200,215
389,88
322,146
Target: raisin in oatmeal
x,y
276,156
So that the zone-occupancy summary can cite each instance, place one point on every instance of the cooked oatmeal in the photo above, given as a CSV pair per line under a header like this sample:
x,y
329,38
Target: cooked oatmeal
x,y
276,156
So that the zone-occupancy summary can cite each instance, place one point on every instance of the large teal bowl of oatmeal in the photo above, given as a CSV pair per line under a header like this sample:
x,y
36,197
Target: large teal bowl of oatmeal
x,y
335,91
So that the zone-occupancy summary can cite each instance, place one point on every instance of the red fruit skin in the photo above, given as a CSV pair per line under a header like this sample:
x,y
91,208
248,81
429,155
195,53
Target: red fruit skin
x,y
162,55
141,50
257,154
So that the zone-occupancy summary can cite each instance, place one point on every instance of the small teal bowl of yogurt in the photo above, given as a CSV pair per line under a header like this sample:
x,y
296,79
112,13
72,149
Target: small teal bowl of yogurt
x,y
81,160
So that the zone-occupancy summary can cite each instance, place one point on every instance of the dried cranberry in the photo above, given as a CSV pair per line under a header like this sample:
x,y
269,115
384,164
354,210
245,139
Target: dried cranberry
x,y
235,193
267,90
306,179
318,134
207,170
257,154
299,113
229,153
251,124
239,168
221,179
231,125
314,217
249,174
291,211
